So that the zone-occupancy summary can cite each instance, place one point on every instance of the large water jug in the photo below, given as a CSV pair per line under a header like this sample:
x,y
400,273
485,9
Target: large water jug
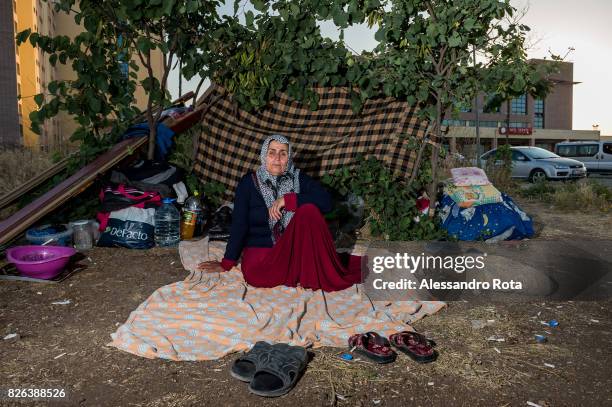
x,y
167,224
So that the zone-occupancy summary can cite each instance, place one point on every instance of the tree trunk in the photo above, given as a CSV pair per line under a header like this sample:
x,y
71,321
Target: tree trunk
x,y
435,152
508,102
152,134
180,78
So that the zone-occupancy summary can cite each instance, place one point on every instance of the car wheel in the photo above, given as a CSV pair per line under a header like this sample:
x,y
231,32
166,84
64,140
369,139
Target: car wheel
x,y
537,176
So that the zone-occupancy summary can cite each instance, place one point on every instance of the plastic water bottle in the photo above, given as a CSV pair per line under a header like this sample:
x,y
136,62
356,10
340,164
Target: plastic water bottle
x,y
192,213
167,224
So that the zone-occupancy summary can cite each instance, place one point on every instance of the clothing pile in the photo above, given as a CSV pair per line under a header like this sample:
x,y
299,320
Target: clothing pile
x,y
471,208
148,175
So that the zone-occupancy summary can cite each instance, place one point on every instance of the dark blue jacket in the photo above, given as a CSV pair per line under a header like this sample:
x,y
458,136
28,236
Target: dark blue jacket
x,y
250,215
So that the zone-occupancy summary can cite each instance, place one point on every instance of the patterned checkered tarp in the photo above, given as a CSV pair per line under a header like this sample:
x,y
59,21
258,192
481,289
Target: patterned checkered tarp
x,y
324,140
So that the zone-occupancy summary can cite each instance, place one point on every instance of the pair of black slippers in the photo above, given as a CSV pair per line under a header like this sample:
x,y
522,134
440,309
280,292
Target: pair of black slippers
x,y
270,370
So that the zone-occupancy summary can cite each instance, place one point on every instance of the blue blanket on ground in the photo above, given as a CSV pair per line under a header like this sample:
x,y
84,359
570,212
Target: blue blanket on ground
x,y
489,222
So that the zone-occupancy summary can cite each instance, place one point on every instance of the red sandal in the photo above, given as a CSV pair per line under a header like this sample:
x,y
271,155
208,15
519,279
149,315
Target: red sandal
x,y
415,345
372,346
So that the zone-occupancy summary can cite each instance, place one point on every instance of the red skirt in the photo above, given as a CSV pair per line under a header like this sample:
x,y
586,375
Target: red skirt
x,y
304,256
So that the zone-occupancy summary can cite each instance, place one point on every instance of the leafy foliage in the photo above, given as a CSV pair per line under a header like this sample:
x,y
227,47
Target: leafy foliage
x,y
389,200
499,168
182,155
425,55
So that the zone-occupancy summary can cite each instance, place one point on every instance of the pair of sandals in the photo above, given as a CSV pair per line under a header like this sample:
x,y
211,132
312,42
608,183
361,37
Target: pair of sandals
x,y
378,349
270,370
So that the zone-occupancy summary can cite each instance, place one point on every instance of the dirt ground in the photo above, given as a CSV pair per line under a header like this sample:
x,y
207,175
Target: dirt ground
x,y
63,346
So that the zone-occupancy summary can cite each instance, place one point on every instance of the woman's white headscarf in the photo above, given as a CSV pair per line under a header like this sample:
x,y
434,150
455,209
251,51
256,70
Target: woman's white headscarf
x,y
273,187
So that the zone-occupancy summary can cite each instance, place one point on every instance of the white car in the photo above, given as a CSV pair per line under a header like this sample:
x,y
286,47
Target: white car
x,y
596,155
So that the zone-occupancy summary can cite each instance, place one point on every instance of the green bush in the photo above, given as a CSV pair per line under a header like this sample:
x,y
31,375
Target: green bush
x,y
182,156
390,204
499,168
540,190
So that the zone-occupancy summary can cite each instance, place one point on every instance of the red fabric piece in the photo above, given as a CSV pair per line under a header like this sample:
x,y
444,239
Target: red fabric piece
x,y
305,255
102,218
422,204
227,264
291,201
141,199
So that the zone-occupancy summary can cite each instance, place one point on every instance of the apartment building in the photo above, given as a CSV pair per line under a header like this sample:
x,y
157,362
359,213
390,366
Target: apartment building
x,y
523,120
25,71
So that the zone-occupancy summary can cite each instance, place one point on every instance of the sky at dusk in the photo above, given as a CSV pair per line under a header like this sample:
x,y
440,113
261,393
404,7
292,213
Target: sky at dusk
x,y
556,25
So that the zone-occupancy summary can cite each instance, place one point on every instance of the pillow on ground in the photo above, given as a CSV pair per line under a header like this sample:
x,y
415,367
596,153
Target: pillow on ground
x,y
467,176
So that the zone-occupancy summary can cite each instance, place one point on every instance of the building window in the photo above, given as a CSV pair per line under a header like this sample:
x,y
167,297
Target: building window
x,y
453,122
538,122
125,69
519,105
124,66
538,114
487,123
518,125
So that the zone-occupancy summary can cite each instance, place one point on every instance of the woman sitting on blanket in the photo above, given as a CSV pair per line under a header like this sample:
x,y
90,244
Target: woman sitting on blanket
x,y
278,227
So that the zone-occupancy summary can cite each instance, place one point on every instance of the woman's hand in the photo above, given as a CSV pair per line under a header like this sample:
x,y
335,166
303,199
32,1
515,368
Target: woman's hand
x,y
275,210
210,267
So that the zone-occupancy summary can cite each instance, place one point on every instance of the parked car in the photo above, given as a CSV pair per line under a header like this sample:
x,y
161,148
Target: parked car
x,y
596,155
537,164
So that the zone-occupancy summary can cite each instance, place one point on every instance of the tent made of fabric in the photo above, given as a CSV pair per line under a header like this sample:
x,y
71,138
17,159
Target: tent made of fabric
x,y
324,140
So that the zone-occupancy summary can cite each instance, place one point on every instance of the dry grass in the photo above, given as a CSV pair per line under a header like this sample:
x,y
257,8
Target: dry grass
x,y
466,356
571,196
18,165
489,364
583,195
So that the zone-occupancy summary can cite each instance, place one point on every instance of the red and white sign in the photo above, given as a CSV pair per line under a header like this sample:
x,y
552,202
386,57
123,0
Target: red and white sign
x,y
516,131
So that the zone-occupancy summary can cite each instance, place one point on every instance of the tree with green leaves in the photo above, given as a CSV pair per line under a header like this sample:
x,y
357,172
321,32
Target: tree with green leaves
x,y
116,34
434,43
424,55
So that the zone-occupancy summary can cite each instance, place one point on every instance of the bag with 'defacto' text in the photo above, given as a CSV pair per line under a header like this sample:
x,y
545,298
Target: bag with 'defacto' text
x,y
133,228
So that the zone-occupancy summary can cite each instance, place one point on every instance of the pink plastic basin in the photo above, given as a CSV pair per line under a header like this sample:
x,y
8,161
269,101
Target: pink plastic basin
x,y
43,262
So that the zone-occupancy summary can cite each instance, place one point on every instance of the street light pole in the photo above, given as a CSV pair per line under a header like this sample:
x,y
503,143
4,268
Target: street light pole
x,y
479,163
